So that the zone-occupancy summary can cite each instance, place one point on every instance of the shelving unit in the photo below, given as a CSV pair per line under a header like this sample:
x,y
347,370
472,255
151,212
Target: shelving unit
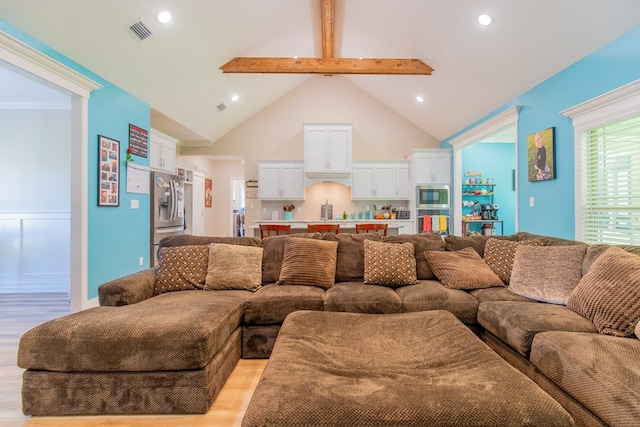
x,y
473,197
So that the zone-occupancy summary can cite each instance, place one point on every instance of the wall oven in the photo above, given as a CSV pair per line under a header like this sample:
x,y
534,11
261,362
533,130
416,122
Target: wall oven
x,y
437,196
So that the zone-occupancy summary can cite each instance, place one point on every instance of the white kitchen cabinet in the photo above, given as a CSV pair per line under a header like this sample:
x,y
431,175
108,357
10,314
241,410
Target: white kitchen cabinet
x,y
432,166
327,149
380,181
162,152
280,181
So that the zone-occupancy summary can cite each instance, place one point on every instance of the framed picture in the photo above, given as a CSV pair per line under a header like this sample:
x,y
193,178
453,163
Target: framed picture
x,y
108,171
208,193
541,151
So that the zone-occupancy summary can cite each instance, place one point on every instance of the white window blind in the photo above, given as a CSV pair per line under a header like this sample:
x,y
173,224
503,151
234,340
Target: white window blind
x,y
610,183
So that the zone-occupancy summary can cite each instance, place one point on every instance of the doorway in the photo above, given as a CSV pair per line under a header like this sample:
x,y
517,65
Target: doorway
x,y
35,219
237,204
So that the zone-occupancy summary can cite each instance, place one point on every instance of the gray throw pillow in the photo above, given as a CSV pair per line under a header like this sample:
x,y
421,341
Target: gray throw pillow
x,y
234,267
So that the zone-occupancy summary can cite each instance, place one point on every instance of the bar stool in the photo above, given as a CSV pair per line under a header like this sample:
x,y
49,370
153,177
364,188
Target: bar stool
x,y
323,228
372,228
277,229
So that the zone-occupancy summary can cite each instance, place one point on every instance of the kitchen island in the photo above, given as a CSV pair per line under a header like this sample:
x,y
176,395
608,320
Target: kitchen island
x,y
395,226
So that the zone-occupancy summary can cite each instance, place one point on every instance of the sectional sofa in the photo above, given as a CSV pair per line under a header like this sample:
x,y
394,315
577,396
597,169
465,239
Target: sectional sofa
x,y
164,340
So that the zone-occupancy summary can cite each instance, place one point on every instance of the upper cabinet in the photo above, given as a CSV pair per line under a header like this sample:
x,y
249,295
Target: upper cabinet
x,y
327,150
162,152
280,180
431,166
380,181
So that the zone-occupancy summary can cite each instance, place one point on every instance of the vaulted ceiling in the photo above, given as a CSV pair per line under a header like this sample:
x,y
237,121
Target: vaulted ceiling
x,y
177,69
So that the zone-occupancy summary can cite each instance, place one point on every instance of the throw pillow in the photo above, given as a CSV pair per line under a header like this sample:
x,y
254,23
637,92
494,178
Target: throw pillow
x,y
421,242
389,264
234,267
463,269
609,294
499,255
638,330
309,262
181,268
547,273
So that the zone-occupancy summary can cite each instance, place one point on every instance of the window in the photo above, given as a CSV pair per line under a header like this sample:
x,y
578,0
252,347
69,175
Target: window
x,y
607,156
610,183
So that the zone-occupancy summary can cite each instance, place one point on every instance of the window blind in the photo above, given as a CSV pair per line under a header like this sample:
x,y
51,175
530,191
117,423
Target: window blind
x,y
610,183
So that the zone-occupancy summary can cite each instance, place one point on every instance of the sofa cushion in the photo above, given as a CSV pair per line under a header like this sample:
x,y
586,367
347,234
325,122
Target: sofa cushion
x,y
594,251
270,304
432,295
389,264
234,267
478,242
516,323
356,297
188,239
309,262
609,294
350,262
157,334
547,273
637,330
463,269
601,372
497,294
274,252
421,242
181,268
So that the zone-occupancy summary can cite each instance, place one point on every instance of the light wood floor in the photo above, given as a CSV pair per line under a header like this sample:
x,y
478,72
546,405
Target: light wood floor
x,y
21,312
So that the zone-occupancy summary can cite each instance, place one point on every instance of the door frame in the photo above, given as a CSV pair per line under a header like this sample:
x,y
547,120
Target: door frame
x,y
78,87
232,180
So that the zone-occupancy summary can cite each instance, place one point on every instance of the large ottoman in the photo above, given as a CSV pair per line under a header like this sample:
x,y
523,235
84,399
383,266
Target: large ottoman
x,y
408,369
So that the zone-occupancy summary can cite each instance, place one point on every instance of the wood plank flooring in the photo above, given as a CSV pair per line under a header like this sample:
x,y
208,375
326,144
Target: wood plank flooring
x,y
21,312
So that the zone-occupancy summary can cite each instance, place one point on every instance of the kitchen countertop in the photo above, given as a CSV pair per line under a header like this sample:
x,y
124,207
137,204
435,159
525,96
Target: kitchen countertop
x,y
344,223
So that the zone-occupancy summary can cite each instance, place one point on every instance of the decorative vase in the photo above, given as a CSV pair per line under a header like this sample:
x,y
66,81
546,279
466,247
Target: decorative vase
x,y
288,216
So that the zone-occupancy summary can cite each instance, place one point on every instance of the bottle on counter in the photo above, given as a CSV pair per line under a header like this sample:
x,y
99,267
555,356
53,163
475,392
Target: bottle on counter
x,y
344,214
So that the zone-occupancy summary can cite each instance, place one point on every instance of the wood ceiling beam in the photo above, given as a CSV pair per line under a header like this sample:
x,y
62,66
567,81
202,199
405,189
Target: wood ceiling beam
x,y
327,66
328,19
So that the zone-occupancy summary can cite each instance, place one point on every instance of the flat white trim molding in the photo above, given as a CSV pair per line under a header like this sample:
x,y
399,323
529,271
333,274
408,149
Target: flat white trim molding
x,y
494,124
35,62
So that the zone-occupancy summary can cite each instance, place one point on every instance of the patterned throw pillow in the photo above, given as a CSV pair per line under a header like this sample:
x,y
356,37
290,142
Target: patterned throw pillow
x,y
389,264
309,262
234,267
463,269
181,268
547,273
609,294
499,255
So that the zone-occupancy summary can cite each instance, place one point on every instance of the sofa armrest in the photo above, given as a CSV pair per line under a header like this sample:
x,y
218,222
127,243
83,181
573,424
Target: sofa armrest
x,y
129,289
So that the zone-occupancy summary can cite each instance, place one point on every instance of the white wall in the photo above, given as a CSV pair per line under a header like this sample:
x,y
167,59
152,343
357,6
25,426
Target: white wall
x,y
276,131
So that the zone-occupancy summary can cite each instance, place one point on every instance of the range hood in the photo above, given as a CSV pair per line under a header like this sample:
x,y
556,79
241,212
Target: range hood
x,y
318,179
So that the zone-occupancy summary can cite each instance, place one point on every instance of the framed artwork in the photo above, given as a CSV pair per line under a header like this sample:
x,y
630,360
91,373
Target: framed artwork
x,y
208,193
108,171
542,158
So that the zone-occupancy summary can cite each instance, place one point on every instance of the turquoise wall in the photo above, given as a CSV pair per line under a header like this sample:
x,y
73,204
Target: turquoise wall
x,y
495,161
118,236
610,67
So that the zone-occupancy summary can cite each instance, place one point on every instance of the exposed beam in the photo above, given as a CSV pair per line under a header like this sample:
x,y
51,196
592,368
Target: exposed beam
x,y
328,15
327,66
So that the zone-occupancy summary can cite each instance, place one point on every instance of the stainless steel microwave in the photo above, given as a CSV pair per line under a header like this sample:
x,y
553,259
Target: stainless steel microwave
x,y
433,196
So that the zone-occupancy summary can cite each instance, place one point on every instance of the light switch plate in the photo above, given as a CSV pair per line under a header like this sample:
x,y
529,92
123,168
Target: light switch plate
x,y
135,204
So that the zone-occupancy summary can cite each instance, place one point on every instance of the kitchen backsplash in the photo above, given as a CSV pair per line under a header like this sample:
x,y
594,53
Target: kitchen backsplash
x,y
316,195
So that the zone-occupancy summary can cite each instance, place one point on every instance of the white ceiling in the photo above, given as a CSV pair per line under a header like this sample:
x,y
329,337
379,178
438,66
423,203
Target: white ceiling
x,y
477,69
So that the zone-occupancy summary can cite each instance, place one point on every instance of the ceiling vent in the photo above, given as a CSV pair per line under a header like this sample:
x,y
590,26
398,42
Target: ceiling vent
x,y
222,107
140,30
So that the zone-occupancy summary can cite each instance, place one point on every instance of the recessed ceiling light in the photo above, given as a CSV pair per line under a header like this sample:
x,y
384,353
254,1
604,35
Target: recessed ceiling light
x,y
234,97
484,19
295,56
420,98
164,17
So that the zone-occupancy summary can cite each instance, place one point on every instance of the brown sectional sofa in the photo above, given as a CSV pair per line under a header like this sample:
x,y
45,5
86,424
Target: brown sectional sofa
x,y
171,353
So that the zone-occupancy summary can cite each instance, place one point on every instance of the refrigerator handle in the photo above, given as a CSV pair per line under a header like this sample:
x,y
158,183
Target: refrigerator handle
x,y
172,201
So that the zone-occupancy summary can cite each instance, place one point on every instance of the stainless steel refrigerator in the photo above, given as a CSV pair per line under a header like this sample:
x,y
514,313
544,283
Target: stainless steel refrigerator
x,y
167,209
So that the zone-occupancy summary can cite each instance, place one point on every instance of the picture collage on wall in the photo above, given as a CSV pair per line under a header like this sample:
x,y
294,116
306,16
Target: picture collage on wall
x,y
109,172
